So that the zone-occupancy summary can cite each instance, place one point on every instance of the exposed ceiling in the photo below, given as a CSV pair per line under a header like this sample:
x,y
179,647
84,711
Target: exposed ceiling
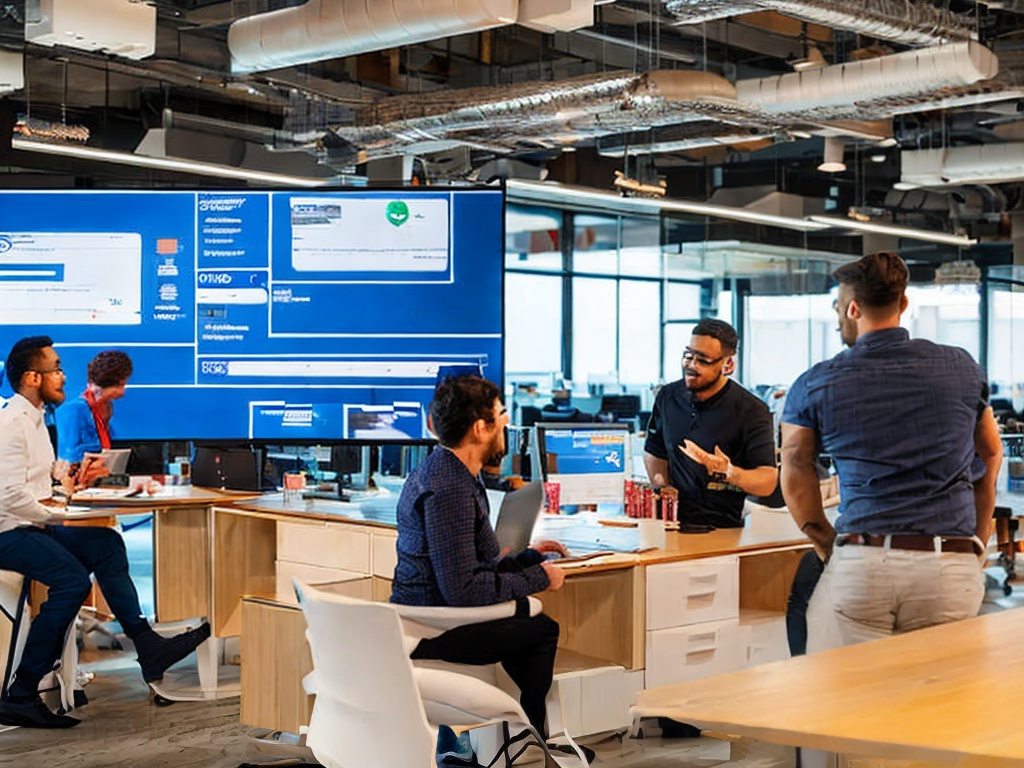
x,y
707,96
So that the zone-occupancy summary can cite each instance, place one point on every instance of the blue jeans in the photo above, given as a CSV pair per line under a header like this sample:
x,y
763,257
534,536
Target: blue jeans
x,y
62,559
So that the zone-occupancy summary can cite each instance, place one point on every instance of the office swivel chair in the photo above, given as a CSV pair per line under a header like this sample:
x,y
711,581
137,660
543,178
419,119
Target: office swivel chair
x,y
375,709
621,406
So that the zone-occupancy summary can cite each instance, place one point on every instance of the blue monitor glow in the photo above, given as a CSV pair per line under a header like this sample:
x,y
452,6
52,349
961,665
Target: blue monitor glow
x,y
260,315
590,461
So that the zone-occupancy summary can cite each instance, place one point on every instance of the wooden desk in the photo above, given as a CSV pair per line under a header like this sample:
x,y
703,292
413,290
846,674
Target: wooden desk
x,y
926,695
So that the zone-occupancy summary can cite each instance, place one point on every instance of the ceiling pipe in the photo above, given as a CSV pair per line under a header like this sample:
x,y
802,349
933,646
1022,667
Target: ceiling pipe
x,y
848,90
900,21
977,164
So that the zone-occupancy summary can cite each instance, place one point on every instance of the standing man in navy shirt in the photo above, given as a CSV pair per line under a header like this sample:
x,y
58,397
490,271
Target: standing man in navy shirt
x,y
448,554
916,449
708,437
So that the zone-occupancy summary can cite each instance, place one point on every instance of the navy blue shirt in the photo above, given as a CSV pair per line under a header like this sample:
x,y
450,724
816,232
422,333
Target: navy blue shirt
x,y
733,419
447,551
898,418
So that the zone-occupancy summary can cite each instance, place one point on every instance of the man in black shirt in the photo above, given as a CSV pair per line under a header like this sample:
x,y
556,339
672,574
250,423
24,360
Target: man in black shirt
x,y
708,437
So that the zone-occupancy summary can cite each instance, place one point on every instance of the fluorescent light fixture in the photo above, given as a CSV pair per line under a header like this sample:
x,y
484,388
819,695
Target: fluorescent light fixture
x,y
552,193
887,229
172,164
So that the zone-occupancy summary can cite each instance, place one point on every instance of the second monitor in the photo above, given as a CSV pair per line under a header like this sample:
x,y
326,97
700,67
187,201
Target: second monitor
x,y
589,461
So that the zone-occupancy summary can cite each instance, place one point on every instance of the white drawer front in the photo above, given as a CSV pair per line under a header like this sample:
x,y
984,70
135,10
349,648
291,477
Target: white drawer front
x,y
361,585
692,652
385,556
765,639
692,592
329,545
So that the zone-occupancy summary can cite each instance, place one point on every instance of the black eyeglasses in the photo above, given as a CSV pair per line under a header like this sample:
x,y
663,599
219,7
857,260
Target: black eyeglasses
x,y
42,372
689,356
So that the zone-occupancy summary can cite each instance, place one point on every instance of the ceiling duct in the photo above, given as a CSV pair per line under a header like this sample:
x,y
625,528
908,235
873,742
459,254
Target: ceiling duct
x,y
553,114
329,29
843,90
119,27
977,164
901,21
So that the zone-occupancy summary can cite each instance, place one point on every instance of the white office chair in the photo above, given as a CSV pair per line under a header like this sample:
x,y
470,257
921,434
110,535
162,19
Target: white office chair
x,y
373,708
57,687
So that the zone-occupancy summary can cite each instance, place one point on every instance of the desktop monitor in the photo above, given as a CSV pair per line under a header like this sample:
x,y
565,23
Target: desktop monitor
x,y
589,461
238,469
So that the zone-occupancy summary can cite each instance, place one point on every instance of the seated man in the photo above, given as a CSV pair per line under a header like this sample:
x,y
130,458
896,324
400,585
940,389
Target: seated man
x,y
59,557
448,554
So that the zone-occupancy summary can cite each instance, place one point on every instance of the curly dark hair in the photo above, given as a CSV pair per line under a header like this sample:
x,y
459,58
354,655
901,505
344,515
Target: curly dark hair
x,y
110,368
878,280
458,402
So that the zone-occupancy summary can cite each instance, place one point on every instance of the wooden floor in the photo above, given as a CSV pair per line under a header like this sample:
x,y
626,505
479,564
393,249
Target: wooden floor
x,y
122,728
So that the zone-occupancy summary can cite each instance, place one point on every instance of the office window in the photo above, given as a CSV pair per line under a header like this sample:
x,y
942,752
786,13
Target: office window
x,y
682,301
1006,334
640,247
533,324
595,324
676,336
786,335
595,244
945,315
639,327
533,238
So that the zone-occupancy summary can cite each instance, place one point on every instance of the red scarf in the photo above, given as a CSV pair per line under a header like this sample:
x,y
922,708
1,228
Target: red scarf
x,y
101,413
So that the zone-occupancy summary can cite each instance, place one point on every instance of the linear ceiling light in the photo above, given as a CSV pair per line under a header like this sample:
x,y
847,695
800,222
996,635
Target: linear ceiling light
x,y
550,192
172,164
896,231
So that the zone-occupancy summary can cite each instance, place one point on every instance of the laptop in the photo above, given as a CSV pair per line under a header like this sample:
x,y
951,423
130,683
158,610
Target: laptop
x,y
114,459
517,516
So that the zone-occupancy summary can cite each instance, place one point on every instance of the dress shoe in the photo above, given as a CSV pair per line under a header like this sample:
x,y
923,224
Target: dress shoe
x,y
157,654
33,713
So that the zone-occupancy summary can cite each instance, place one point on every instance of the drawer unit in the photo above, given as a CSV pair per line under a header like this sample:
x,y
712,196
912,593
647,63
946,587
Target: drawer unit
x,y
592,701
678,654
361,585
764,637
692,591
330,545
383,553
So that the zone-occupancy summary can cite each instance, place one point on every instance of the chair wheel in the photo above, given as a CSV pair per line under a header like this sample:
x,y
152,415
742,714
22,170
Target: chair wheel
x,y
1007,590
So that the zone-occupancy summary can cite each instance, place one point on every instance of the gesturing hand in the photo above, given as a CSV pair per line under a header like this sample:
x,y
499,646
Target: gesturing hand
x,y
717,464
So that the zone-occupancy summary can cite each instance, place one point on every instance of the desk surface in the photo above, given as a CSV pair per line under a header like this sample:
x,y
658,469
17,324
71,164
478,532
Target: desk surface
x,y
930,695
377,511
167,496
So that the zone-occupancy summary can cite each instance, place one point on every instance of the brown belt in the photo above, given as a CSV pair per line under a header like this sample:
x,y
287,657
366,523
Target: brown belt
x,y
908,541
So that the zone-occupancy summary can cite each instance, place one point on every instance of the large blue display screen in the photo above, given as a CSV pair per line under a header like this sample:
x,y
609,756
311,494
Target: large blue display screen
x,y
260,315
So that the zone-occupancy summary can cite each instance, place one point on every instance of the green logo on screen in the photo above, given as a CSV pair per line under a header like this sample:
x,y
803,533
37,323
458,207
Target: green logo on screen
x,y
397,212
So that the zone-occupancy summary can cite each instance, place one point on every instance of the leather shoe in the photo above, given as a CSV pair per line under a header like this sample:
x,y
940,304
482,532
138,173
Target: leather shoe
x,y
157,654
33,714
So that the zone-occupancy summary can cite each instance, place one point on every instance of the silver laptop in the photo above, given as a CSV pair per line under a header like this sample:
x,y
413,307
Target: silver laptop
x,y
517,516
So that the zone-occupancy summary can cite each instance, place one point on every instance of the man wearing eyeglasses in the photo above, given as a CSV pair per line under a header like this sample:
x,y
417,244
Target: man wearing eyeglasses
x,y
916,448
60,557
708,437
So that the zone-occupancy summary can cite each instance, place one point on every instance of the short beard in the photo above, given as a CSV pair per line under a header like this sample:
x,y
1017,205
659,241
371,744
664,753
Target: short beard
x,y
703,387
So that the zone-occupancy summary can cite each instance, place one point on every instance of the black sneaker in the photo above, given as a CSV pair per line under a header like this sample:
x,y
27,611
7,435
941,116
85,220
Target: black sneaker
x,y
33,714
157,654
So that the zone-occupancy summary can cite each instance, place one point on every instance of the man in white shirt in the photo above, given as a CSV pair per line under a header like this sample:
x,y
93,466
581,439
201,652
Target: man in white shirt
x,y
59,557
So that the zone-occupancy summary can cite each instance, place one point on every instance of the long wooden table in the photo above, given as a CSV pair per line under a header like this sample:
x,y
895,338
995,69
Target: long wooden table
x,y
931,695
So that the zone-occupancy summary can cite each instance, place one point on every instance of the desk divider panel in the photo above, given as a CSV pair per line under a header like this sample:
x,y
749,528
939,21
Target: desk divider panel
x,y
181,565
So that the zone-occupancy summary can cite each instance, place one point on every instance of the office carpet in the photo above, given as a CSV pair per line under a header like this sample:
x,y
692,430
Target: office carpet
x,y
121,728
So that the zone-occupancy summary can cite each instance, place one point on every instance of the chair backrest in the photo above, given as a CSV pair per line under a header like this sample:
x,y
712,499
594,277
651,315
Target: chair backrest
x,y
368,710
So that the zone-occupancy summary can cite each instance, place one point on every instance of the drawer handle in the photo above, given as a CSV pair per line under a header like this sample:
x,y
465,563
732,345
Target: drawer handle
x,y
703,593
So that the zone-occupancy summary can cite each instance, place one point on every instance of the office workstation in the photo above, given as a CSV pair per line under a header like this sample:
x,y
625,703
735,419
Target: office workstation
x,y
294,259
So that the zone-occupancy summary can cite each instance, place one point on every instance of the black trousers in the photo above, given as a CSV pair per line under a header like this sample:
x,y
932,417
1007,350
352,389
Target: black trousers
x,y
804,581
525,647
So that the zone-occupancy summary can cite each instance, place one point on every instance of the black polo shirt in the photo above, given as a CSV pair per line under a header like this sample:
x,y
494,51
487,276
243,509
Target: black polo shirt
x,y
733,419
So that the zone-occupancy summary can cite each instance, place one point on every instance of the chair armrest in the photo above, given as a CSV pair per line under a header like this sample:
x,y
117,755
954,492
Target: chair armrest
x,y
454,699
445,617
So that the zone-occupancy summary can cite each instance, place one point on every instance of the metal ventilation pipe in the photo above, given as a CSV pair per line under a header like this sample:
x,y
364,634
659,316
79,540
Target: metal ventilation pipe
x,y
843,89
327,29
901,21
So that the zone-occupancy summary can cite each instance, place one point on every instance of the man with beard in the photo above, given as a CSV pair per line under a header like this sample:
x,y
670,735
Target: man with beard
x,y
916,449
708,437
59,557
448,554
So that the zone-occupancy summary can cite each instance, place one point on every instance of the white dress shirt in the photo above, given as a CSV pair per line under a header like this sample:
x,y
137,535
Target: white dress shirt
x,y
26,463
